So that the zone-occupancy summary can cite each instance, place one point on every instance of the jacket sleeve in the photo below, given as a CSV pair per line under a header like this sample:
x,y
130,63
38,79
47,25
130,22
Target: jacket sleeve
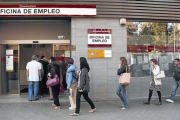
x,y
121,70
69,79
82,78
156,70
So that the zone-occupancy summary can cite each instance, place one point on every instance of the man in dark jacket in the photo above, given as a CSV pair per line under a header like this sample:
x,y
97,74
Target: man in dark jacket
x,y
43,87
176,76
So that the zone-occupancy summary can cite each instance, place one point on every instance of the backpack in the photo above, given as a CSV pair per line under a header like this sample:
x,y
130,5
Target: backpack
x,y
75,75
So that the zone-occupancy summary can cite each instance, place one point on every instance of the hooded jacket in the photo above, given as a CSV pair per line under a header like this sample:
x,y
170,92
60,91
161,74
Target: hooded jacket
x,y
69,77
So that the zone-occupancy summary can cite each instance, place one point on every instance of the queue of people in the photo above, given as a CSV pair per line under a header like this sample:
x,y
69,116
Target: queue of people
x,y
43,73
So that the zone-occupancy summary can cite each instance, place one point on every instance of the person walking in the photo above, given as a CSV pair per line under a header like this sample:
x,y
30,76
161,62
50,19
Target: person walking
x,y
55,89
155,83
52,66
72,83
121,89
176,77
33,76
83,87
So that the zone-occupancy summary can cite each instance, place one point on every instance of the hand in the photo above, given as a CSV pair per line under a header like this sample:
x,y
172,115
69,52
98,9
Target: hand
x,y
40,79
81,90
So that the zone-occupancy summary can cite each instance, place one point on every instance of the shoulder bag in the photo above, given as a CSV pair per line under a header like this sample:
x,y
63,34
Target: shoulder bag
x,y
124,78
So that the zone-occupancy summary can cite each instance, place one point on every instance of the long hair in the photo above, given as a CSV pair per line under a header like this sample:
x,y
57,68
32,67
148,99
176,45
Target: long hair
x,y
52,73
84,64
124,63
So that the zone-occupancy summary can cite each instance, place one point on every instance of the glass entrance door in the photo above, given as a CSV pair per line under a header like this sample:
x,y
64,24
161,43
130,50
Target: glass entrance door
x,y
10,69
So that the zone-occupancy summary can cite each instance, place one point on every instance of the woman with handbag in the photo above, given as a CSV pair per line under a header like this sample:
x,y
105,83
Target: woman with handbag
x,y
71,83
155,83
53,82
83,87
121,89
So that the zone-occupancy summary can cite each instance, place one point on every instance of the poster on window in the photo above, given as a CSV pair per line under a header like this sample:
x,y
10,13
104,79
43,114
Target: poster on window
x,y
9,64
67,53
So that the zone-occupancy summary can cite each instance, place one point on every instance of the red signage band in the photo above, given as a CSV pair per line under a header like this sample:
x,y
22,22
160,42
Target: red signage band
x,y
101,45
46,6
146,48
99,31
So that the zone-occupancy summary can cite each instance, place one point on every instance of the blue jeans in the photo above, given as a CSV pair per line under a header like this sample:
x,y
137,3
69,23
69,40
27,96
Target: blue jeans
x,y
175,87
33,86
121,92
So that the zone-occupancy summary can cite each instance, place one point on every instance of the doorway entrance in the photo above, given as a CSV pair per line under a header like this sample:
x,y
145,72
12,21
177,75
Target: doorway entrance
x,y
15,57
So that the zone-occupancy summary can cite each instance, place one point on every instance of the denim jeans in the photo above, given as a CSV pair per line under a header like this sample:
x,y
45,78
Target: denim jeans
x,y
121,92
33,86
175,87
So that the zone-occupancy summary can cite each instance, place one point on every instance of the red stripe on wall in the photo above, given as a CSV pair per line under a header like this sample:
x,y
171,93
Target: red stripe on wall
x,y
99,31
46,6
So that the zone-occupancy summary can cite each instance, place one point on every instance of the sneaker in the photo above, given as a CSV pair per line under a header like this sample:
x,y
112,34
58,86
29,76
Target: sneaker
x,y
74,114
169,100
71,108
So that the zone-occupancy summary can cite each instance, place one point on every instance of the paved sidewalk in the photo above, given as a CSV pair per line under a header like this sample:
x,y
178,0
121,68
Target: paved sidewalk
x,y
106,110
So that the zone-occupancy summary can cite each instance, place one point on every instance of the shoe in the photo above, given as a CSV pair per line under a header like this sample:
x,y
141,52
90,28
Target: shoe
x,y
53,105
122,105
74,114
30,100
169,100
92,110
123,108
71,108
50,98
158,104
57,107
147,103
36,99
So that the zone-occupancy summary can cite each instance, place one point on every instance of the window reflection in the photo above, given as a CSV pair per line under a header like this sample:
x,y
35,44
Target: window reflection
x,y
147,40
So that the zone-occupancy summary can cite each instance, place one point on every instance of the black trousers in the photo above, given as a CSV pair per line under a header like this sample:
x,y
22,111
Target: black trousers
x,y
64,82
78,98
42,86
55,92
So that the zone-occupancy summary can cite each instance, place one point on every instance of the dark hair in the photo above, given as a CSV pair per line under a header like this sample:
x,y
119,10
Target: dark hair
x,y
177,59
124,63
52,73
42,56
70,61
84,64
52,59
37,56
154,61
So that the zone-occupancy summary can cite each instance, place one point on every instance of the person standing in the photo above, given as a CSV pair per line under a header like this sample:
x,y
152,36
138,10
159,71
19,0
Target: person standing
x,y
72,83
83,87
176,77
55,89
155,83
33,76
53,66
121,89
43,87
64,70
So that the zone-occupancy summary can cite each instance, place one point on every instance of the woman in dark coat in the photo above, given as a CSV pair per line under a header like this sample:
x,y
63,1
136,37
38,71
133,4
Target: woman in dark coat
x,y
83,86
